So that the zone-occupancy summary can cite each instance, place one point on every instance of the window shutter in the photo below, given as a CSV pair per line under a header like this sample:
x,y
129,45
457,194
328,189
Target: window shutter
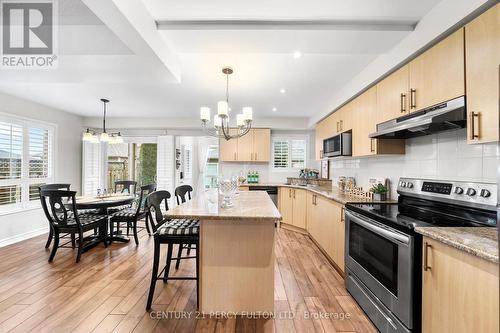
x,y
165,165
280,154
298,153
39,153
91,168
11,150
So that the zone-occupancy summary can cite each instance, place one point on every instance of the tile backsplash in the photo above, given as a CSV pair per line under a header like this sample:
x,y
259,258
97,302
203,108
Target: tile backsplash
x,y
445,155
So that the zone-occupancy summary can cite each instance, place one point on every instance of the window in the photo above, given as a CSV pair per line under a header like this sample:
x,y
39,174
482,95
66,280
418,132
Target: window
x,y
212,167
26,161
289,153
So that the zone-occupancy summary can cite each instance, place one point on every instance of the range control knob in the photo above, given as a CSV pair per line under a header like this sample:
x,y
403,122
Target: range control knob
x,y
409,185
471,192
485,193
459,190
403,184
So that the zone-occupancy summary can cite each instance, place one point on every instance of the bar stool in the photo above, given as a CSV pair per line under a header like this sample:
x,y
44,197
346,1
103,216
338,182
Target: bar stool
x,y
181,193
170,232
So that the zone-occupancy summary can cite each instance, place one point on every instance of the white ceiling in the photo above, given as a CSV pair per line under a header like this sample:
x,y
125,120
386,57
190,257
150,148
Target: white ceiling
x,y
96,63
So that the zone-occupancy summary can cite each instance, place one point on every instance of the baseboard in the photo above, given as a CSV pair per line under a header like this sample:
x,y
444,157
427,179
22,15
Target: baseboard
x,y
21,237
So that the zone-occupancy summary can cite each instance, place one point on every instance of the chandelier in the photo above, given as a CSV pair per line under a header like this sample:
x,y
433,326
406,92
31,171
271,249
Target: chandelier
x,y
220,126
111,138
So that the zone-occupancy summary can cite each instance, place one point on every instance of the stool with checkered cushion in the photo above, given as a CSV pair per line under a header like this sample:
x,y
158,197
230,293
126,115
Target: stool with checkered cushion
x,y
170,232
132,215
182,194
59,207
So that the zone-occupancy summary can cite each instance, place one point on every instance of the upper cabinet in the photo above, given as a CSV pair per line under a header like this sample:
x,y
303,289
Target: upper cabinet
x,y
255,146
438,74
482,58
393,95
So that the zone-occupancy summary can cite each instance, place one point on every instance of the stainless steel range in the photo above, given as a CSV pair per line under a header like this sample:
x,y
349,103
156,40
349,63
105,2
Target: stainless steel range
x,y
383,251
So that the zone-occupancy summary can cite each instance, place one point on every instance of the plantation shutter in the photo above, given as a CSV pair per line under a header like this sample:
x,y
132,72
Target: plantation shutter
x,y
11,152
91,168
298,154
165,165
39,153
280,154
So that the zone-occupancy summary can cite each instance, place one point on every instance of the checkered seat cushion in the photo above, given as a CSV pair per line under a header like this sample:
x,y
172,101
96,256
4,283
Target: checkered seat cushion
x,y
128,212
81,213
118,208
179,227
85,219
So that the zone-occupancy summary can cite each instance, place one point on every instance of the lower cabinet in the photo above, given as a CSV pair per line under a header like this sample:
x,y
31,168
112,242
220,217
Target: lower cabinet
x,y
325,224
292,204
460,291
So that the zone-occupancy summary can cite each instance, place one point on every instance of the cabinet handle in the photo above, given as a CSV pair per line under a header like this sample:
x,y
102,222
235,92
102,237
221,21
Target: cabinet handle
x,y
413,98
321,154
315,200
338,126
371,146
294,194
403,103
342,214
341,125
235,156
251,156
289,192
427,246
473,134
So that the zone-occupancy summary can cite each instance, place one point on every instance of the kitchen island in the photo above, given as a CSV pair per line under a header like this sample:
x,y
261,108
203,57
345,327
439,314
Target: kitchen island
x,y
236,251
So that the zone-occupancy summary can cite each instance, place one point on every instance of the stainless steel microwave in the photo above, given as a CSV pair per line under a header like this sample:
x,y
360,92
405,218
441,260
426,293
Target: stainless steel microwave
x,y
338,145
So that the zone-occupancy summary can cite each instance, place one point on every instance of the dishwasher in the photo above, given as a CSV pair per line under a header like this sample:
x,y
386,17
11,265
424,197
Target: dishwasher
x,y
271,190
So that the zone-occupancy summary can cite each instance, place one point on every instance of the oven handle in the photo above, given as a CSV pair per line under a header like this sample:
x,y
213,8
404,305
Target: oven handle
x,y
373,226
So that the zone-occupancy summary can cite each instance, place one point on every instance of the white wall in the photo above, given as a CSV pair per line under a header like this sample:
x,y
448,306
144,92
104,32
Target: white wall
x,y
266,173
17,226
445,156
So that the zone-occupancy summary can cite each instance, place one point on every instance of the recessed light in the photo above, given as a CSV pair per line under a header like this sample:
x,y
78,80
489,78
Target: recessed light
x,y
297,54
274,109
282,90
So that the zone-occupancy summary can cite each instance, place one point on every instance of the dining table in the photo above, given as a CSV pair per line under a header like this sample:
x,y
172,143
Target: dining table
x,y
102,203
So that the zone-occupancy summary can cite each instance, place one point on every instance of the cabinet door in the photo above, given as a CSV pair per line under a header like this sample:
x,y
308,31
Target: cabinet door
x,y
345,118
364,108
245,147
319,140
261,144
228,150
326,225
339,237
392,95
310,210
286,205
460,291
482,56
299,208
438,74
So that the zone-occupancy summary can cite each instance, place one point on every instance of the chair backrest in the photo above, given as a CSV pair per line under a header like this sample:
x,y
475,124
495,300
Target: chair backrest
x,y
145,191
54,187
180,193
57,204
125,186
153,207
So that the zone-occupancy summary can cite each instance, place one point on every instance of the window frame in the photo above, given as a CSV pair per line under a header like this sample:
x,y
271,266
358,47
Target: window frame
x,y
289,139
25,181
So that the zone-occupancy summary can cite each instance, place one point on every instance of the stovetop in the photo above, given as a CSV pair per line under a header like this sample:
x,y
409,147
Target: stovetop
x,y
431,203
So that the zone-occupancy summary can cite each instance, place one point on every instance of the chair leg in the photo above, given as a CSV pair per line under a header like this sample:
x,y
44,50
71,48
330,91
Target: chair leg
x,y
147,225
154,274
179,254
51,234
134,229
73,242
189,249
197,277
104,233
169,260
80,246
128,231
54,246
111,231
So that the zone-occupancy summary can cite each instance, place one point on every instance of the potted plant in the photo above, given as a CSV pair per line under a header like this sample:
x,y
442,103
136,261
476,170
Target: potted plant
x,y
379,192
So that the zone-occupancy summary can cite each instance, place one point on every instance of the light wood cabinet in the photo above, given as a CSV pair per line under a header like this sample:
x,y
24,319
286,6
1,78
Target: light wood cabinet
x,y
393,96
364,109
460,291
255,146
292,206
482,56
325,224
324,129
438,74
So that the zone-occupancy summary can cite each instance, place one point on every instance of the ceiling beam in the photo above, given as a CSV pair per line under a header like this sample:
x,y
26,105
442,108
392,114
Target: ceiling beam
x,y
294,24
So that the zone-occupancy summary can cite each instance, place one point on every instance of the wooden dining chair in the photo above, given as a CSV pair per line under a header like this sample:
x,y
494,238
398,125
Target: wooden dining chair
x,y
54,187
170,232
124,186
132,215
182,194
59,207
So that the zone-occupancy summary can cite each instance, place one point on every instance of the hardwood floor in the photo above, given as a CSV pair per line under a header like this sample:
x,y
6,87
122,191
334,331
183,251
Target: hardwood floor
x,y
107,290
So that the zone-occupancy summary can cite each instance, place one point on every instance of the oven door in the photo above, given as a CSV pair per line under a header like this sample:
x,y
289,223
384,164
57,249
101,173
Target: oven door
x,y
382,259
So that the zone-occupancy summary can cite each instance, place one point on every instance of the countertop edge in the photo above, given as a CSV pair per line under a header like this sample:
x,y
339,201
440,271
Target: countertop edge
x,y
428,232
223,218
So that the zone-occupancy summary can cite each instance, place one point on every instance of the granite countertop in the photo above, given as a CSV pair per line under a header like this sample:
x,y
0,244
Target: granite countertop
x,y
479,241
325,191
247,206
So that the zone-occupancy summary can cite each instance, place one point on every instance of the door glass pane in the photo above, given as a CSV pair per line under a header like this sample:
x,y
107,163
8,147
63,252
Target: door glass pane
x,y
118,163
376,254
145,163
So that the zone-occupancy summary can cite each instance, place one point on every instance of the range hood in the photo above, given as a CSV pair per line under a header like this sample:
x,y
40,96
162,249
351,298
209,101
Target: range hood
x,y
437,118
